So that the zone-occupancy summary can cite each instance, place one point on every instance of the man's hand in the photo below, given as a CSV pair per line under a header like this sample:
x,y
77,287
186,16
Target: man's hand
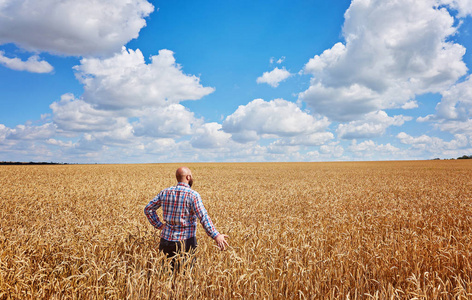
x,y
221,242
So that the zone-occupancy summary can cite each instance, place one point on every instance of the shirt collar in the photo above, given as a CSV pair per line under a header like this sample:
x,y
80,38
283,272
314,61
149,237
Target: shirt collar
x,y
183,184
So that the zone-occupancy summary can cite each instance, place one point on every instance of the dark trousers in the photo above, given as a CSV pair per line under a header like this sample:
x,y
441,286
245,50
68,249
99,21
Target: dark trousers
x,y
171,249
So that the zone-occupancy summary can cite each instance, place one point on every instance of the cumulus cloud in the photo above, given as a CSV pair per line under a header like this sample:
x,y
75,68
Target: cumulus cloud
x,y
125,81
26,150
60,143
274,77
276,118
370,148
393,51
106,146
161,146
26,142
69,27
332,149
33,64
313,139
28,132
3,132
454,112
210,135
124,88
76,115
172,121
456,102
374,124
285,150
434,145
410,105
463,7
456,127
122,134
128,102
88,145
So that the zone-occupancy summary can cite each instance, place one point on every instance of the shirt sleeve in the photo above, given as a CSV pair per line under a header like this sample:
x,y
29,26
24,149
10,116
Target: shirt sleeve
x,y
150,212
202,215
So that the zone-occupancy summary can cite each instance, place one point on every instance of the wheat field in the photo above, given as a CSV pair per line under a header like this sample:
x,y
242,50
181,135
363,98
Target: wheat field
x,y
363,230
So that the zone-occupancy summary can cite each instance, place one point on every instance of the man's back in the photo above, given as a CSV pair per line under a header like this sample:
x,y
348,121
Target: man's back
x,y
180,206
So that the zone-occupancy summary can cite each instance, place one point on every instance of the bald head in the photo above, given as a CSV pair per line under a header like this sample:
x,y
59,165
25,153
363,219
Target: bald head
x,y
183,174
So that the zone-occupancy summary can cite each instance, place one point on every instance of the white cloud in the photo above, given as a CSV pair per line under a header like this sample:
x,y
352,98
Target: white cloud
x,y
3,132
342,103
374,124
171,121
456,102
33,64
244,135
27,150
129,107
456,126
434,145
410,105
99,129
121,134
88,145
313,139
463,7
124,89
394,50
75,115
60,143
274,77
125,81
332,150
70,27
369,149
161,146
313,155
102,144
29,132
210,135
286,150
454,112
26,142
276,118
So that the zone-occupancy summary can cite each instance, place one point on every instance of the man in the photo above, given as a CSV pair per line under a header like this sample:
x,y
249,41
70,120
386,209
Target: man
x,y
181,207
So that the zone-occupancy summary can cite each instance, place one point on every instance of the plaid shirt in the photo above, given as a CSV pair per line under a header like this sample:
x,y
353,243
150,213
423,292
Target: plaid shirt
x,y
181,206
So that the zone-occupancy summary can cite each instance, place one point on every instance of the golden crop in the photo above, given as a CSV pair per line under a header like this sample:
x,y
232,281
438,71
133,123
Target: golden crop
x,y
382,230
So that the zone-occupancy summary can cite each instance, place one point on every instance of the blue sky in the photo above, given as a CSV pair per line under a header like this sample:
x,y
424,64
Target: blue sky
x,y
136,81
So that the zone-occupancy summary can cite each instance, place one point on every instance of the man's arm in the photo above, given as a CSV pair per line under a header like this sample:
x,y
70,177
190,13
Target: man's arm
x,y
150,212
207,224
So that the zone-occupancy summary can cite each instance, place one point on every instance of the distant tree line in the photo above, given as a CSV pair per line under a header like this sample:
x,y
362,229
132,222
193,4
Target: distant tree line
x,y
462,157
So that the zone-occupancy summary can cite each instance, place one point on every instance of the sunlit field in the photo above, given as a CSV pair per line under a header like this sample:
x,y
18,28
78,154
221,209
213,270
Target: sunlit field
x,y
381,230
